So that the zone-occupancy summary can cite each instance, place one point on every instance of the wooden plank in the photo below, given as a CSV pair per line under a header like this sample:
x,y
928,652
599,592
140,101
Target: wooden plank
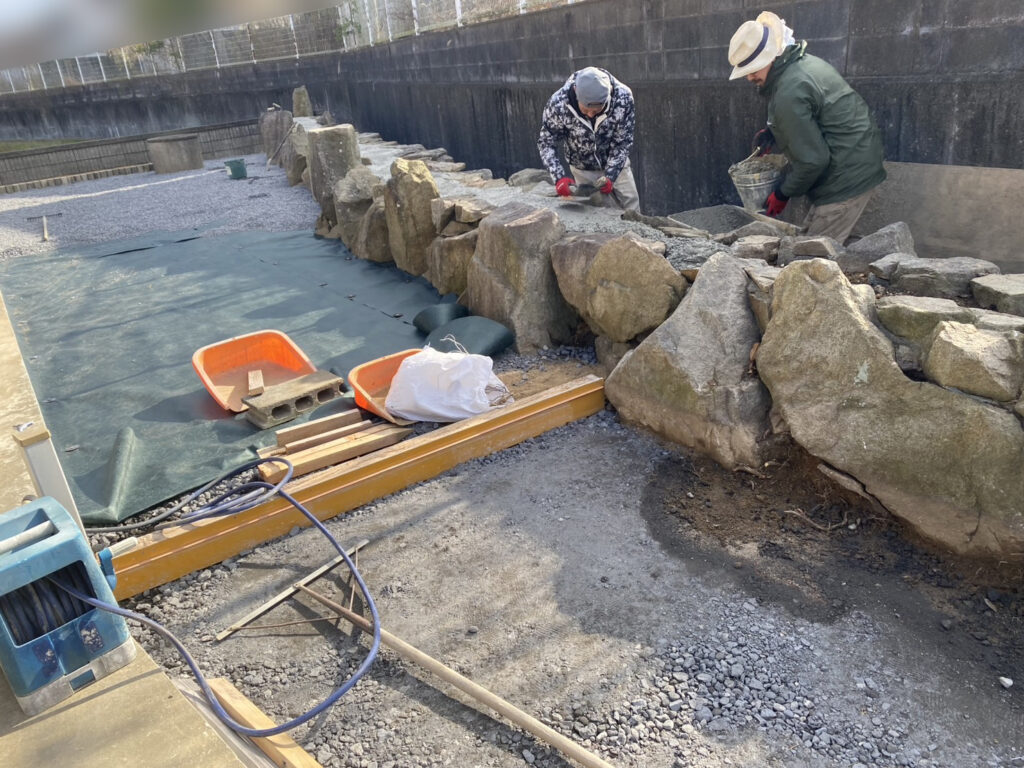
x,y
335,452
174,552
363,427
272,450
281,748
255,385
316,426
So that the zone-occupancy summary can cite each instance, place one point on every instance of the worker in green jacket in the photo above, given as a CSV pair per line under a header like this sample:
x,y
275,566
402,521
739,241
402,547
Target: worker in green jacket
x,y
821,125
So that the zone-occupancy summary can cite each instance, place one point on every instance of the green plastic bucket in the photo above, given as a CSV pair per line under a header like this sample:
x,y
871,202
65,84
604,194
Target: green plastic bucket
x,y
236,168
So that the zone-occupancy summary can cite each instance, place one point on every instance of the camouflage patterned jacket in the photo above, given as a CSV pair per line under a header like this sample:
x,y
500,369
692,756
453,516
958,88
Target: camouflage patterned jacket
x,y
603,145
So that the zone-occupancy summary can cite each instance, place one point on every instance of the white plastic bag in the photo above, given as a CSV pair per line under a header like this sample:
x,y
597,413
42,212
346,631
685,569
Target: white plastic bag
x,y
444,386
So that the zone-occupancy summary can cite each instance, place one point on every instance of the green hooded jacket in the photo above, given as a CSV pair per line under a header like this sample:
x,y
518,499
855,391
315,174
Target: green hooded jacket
x,y
823,127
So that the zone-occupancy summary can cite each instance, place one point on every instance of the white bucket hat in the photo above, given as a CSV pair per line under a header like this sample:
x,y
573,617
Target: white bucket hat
x,y
756,44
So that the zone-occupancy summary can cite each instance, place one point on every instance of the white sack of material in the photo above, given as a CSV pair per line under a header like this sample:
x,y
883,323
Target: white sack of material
x,y
444,386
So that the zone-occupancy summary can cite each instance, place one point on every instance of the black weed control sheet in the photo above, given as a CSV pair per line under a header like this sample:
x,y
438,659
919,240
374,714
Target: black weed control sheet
x,y
108,333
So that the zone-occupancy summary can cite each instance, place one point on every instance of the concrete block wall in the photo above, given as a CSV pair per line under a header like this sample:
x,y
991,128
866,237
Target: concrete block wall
x,y
92,156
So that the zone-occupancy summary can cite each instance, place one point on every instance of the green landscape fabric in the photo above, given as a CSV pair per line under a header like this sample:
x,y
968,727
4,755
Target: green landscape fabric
x,y
108,333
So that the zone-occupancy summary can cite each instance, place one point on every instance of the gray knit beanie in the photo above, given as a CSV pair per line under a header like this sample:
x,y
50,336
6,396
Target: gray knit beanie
x,y
593,87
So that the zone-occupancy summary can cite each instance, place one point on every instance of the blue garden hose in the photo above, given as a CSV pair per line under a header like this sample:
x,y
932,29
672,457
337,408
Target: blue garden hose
x,y
235,500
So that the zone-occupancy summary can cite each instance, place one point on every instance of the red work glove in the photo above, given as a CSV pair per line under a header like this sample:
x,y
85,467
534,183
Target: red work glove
x,y
775,204
562,186
605,185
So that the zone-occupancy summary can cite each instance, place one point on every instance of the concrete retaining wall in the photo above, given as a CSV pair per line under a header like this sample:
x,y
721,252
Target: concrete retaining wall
x,y
944,78
86,157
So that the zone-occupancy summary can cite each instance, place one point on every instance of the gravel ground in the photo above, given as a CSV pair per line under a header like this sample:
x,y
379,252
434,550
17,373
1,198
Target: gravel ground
x,y
127,206
540,573
552,594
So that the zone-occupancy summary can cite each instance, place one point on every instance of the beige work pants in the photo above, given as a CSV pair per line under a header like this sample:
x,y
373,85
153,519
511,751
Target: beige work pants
x,y
836,220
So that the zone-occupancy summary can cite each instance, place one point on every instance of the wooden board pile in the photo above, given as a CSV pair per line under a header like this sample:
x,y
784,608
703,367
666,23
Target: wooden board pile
x,y
328,441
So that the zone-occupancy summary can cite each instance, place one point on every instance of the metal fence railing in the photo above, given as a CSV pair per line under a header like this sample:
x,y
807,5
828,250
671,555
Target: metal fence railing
x,y
346,26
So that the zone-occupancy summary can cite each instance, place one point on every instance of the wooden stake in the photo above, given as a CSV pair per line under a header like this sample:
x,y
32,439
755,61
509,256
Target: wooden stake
x,y
46,232
567,747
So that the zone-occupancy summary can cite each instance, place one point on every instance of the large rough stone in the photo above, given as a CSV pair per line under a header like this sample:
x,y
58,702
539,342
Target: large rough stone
x,y
274,125
353,196
510,278
945,278
947,464
296,149
407,199
759,292
763,247
448,260
529,177
620,286
471,210
688,254
371,243
894,238
333,152
763,228
302,105
689,380
1004,293
997,321
801,247
609,353
915,317
885,267
983,363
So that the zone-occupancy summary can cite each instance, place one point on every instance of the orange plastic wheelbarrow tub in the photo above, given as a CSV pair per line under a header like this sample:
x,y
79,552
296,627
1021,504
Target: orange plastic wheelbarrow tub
x,y
371,381
224,366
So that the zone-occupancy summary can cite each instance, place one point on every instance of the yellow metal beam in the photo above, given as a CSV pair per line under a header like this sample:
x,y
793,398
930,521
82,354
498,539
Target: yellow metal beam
x,y
175,552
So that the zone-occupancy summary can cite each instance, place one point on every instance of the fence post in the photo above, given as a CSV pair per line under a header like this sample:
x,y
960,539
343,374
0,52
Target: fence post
x,y
10,80
102,70
124,60
458,13
41,75
522,6
81,77
59,73
295,40
415,18
181,55
369,25
252,48
387,20
213,44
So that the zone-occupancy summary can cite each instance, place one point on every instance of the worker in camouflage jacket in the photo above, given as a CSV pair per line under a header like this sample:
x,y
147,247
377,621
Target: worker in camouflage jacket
x,y
593,114
821,125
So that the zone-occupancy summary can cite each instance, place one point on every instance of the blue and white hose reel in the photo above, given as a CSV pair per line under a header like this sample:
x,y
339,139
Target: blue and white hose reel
x,y
52,644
